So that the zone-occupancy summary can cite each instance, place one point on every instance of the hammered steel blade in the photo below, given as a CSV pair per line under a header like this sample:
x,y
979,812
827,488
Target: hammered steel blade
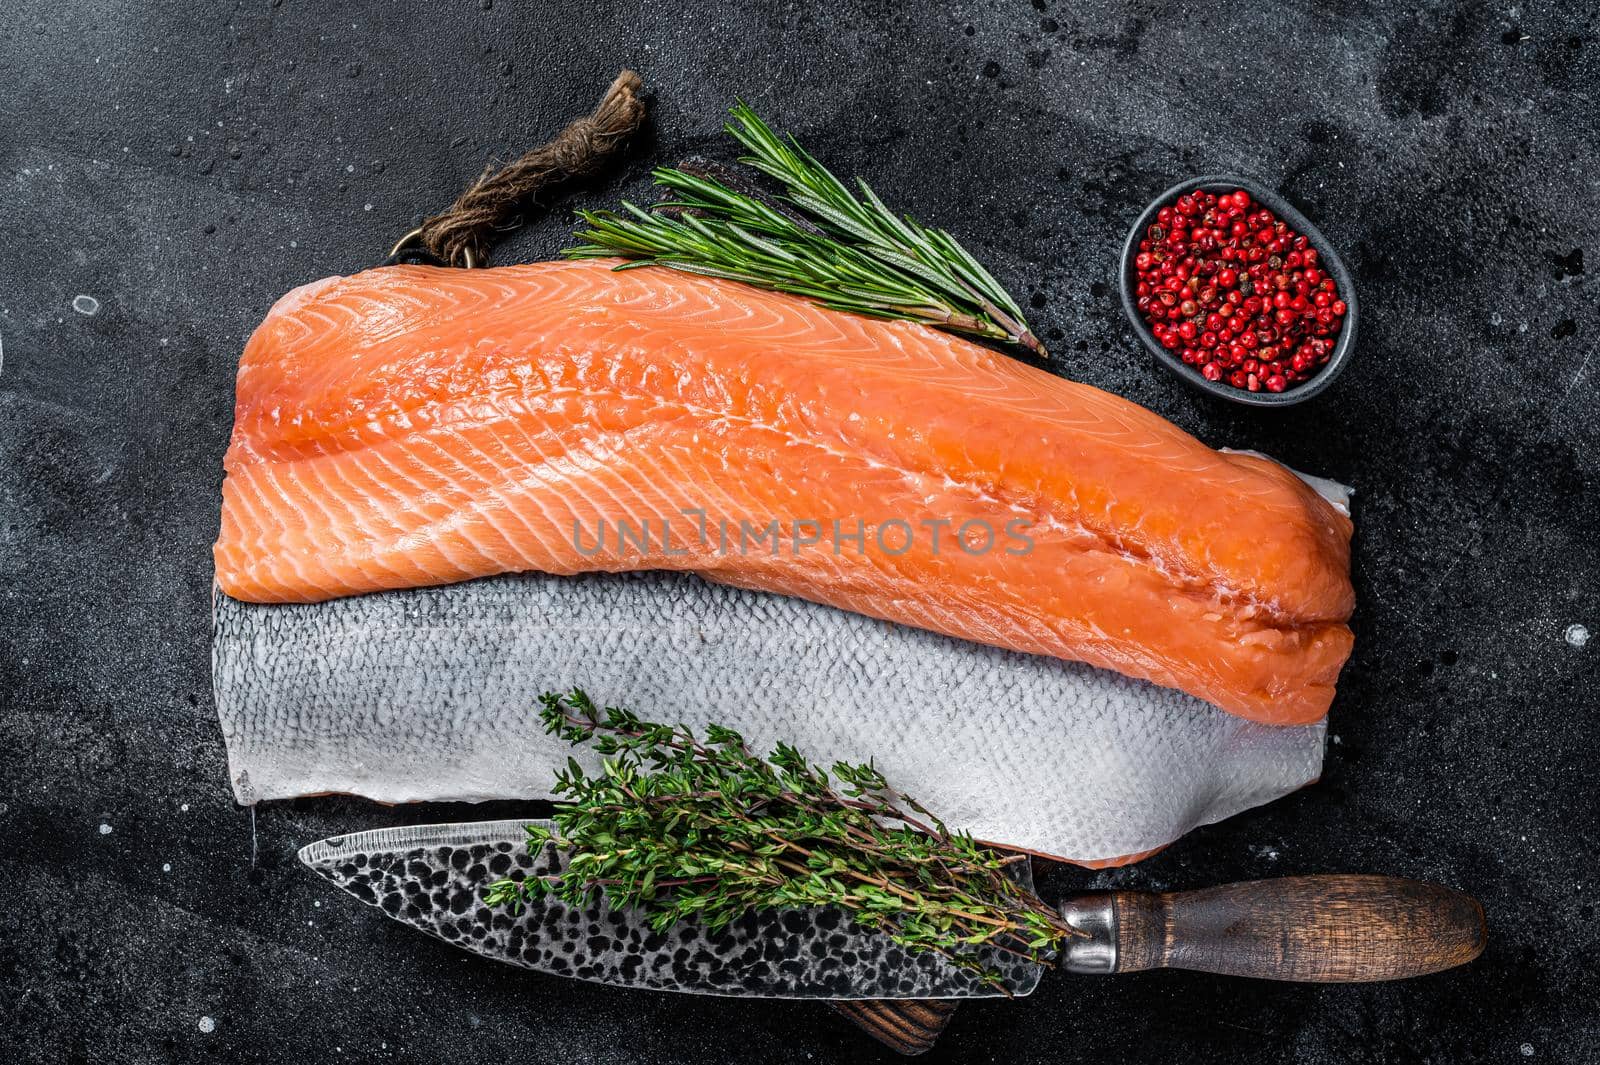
x,y
433,877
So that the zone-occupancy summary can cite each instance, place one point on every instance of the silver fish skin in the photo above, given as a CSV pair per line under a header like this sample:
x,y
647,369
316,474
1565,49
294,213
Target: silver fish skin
x,y
431,694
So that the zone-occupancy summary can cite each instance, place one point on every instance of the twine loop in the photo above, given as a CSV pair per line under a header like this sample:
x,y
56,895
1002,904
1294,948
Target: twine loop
x,y
463,233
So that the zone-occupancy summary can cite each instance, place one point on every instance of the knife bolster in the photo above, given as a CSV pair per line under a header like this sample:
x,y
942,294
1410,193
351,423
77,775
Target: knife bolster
x,y
1094,952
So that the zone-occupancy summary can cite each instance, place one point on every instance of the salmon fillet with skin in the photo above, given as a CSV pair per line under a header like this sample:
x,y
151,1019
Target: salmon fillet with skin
x,y
412,426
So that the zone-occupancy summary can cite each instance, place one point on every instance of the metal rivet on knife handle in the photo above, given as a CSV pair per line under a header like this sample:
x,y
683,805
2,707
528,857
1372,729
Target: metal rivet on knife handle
x,y
1322,929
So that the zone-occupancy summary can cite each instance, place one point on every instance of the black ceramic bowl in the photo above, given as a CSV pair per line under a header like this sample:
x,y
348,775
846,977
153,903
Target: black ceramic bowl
x,y
1328,260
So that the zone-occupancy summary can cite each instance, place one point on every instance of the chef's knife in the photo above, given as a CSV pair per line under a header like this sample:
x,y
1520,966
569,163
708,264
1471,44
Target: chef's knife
x,y
1316,928
433,877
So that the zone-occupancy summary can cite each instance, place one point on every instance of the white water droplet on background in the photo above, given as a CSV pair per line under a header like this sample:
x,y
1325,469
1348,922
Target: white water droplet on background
x,y
105,830
1577,635
207,1025
87,306
166,867
1526,1049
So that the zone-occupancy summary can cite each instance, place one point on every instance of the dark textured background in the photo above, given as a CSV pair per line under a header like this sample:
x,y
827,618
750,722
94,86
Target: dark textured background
x,y
186,163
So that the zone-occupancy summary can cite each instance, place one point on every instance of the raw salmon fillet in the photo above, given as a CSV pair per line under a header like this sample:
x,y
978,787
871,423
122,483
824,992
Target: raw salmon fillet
x,y
412,426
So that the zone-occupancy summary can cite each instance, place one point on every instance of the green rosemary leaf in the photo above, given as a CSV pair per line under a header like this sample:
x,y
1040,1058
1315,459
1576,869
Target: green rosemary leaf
x,y
974,271
898,233
831,215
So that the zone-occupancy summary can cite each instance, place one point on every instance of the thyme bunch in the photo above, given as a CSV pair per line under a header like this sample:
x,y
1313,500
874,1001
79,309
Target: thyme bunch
x,y
847,251
703,829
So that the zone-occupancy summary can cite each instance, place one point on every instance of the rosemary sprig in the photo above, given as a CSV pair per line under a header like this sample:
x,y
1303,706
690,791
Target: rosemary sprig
x,y
705,830
857,255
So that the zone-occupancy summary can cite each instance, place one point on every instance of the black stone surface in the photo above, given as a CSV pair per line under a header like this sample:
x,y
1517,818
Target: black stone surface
x,y
184,163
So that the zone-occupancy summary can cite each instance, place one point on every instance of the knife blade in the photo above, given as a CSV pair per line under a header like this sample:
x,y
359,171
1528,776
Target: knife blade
x,y
1328,929
432,877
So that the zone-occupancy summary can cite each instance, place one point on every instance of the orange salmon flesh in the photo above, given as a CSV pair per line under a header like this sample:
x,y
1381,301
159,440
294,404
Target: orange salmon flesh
x,y
412,426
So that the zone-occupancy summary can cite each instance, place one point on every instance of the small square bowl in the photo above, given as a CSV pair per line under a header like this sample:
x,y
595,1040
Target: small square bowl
x,y
1328,260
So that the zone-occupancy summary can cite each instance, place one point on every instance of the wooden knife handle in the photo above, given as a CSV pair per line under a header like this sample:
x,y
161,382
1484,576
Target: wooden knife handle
x,y
910,1026
1323,929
